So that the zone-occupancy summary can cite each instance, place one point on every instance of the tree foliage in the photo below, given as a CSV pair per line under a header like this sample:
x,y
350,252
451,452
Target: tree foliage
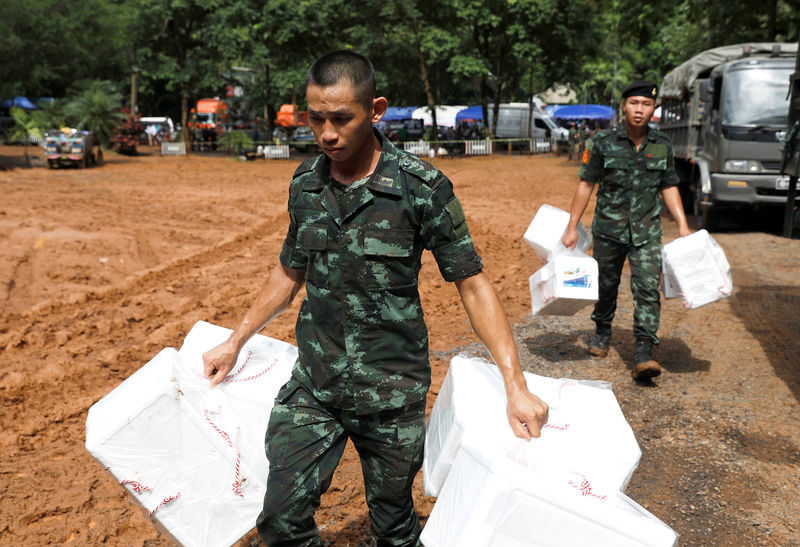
x,y
424,52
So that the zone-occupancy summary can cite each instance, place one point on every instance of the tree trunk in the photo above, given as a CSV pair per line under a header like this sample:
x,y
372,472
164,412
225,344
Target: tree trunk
x,y
428,92
294,106
485,105
496,107
269,114
187,131
530,104
772,18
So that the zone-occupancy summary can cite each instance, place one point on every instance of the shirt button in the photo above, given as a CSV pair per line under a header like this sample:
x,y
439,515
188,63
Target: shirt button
x,y
407,162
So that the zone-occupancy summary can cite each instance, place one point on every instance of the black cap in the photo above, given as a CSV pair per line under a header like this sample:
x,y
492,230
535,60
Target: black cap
x,y
641,88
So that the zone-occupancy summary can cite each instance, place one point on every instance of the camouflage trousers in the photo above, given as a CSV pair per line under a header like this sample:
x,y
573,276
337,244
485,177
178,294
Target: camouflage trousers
x,y
645,263
305,442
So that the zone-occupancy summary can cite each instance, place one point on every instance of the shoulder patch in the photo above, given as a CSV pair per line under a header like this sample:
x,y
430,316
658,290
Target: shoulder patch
x,y
305,167
421,169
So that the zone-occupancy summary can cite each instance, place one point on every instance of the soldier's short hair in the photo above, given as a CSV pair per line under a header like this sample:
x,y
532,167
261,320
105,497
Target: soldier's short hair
x,y
333,67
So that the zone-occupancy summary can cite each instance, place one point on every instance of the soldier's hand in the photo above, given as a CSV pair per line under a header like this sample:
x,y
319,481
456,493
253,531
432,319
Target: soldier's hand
x,y
219,361
570,237
527,414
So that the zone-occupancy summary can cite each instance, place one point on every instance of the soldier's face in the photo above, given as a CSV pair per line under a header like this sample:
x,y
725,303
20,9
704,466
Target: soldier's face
x,y
638,110
341,123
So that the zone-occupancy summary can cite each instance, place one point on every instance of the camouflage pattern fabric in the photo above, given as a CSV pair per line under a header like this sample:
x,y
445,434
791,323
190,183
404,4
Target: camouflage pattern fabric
x,y
362,340
645,263
628,205
305,441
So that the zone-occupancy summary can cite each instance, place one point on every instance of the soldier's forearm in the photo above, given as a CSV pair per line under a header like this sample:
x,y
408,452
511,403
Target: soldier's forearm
x,y
579,202
275,296
489,322
672,199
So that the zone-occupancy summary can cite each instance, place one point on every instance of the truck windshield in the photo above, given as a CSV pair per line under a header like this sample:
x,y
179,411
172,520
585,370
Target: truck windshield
x,y
204,117
757,97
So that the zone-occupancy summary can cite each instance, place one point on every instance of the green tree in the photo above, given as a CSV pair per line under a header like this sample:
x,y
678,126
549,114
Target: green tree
x,y
180,42
26,125
49,44
96,109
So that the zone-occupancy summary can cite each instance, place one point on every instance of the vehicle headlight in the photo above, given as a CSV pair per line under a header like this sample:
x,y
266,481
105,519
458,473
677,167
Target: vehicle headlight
x,y
742,166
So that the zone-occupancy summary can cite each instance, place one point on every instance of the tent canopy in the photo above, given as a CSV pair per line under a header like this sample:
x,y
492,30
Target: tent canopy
x,y
473,113
445,115
19,102
583,112
398,113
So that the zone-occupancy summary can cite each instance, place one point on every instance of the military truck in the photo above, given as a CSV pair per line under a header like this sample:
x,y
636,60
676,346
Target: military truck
x,y
722,109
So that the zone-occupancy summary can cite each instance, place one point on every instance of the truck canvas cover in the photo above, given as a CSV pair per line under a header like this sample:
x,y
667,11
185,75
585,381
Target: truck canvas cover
x,y
680,81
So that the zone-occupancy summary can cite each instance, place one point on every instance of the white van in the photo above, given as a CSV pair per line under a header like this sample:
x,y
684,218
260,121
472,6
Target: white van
x,y
159,122
512,122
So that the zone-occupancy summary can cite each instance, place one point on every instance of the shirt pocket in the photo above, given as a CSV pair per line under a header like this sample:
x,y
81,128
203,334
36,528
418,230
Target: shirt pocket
x,y
388,258
312,239
616,169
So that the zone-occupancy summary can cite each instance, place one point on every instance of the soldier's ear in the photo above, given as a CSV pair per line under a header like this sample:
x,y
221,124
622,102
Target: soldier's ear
x,y
379,106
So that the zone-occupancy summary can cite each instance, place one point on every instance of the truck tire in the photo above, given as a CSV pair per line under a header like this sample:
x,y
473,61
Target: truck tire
x,y
706,214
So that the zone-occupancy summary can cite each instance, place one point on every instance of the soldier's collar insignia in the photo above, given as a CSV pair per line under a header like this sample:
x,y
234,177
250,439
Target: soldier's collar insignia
x,y
384,181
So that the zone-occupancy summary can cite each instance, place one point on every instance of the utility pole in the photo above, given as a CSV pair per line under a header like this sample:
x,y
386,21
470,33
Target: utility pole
x,y
134,72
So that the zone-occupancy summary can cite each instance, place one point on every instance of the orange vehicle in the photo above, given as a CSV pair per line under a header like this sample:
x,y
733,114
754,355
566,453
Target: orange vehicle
x,y
210,116
286,117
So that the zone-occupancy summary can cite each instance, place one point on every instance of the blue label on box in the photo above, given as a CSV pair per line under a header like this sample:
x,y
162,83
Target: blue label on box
x,y
577,279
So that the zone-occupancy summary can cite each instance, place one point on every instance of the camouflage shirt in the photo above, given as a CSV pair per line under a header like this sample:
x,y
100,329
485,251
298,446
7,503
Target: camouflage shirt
x,y
628,205
362,340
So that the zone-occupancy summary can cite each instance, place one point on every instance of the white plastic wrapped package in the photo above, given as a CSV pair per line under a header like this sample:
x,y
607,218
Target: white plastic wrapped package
x,y
564,285
491,501
586,432
696,270
546,229
192,456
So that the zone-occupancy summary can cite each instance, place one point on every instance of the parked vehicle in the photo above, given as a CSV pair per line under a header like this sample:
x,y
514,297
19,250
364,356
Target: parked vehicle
x,y
208,122
722,109
512,122
164,125
303,139
70,148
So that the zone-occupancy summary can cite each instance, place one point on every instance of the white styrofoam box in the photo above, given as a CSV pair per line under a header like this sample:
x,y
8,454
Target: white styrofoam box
x,y
696,270
586,431
546,229
564,285
501,502
192,456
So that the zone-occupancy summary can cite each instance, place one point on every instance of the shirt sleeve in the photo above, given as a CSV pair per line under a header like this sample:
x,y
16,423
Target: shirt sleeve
x,y
292,256
445,233
670,176
591,162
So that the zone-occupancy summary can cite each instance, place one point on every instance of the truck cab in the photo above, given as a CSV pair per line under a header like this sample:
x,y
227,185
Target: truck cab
x,y
722,110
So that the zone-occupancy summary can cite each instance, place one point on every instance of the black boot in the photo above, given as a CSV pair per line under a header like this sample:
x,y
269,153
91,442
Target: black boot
x,y
645,367
598,347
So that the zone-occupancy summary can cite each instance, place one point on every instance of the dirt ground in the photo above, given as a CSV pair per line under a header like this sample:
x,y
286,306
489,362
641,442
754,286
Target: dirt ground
x,y
101,268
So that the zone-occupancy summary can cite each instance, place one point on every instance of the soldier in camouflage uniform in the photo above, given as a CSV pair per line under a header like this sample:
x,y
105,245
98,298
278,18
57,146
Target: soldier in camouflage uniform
x,y
632,164
361,215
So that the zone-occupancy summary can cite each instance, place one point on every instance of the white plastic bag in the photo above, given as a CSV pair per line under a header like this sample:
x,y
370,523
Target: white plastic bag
x,y
192,456
564,285
696,270
546,229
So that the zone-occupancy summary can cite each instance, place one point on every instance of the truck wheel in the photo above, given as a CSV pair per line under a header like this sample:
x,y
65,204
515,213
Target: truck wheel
x,y
51,164
706,214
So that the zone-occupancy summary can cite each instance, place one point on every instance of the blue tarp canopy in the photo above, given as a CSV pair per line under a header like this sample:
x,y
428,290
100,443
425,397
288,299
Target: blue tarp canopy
x,y
19,102
583,112
473,113
396,113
